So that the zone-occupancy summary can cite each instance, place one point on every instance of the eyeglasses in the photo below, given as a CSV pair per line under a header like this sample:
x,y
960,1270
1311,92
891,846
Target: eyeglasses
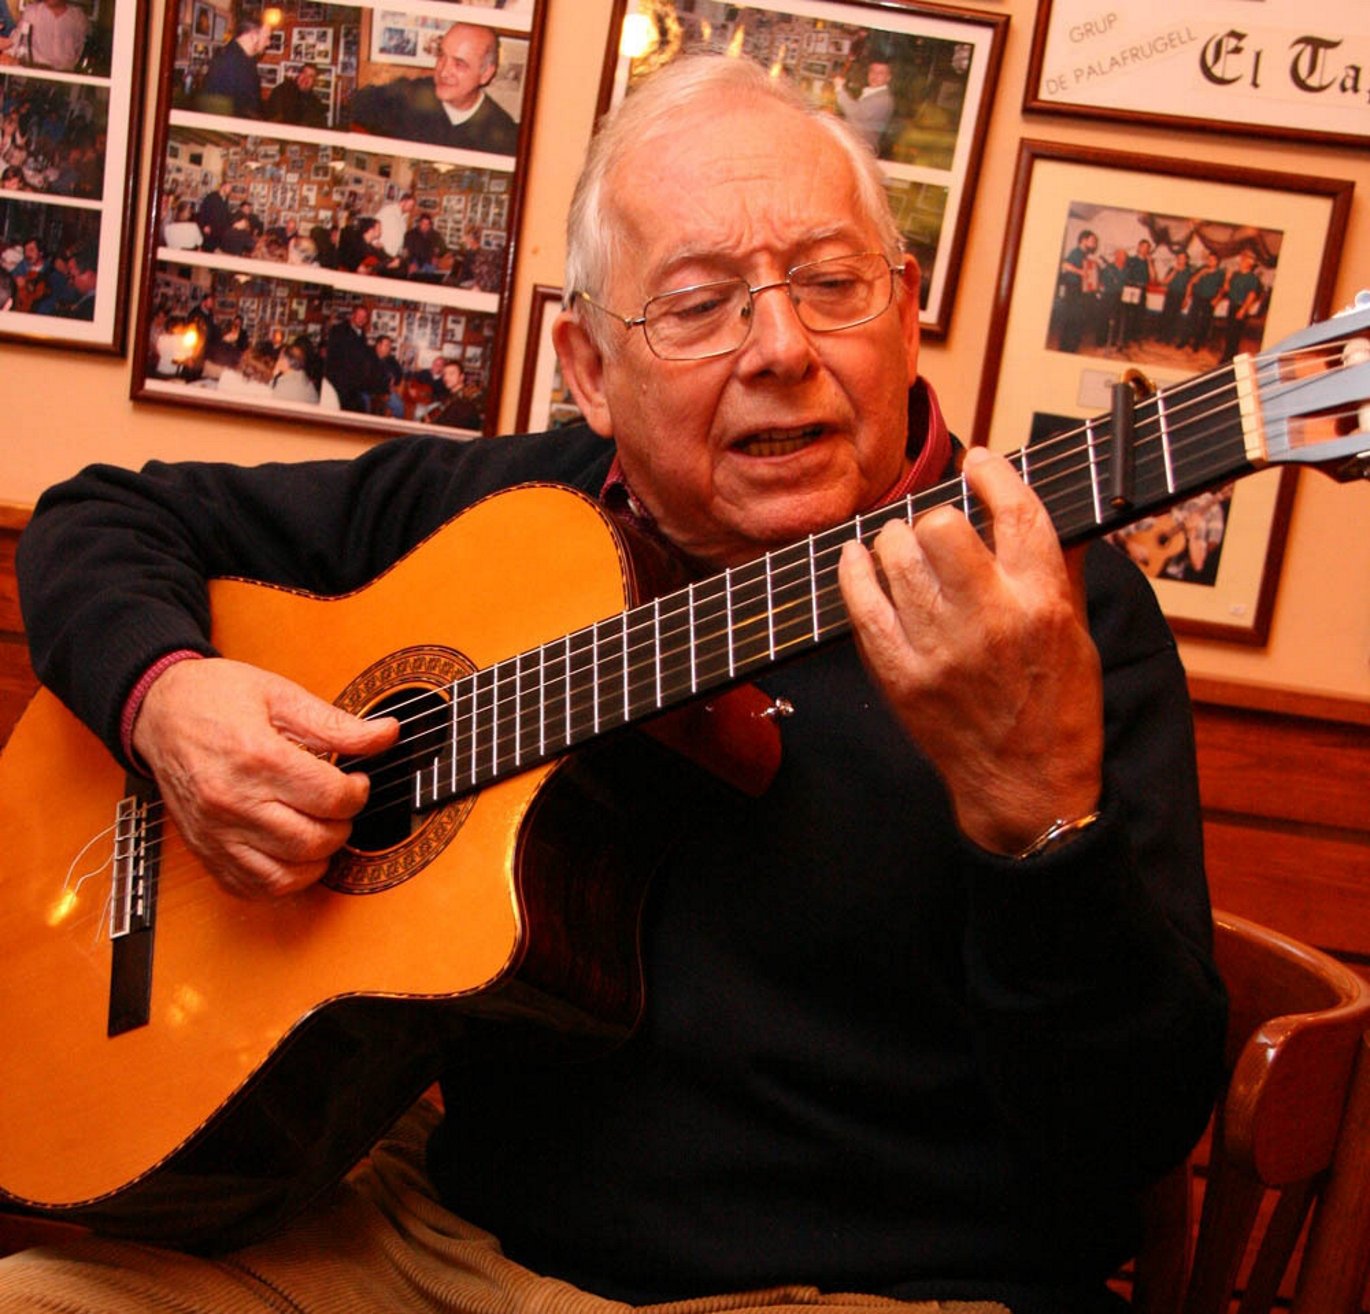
x,y
713,319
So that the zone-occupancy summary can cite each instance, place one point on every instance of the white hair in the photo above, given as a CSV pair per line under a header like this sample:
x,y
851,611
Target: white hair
x,y
657,108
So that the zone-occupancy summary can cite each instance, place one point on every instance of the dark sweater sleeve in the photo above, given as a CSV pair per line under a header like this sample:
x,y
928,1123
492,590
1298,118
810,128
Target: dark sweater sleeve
x,y
1100,1013
114,565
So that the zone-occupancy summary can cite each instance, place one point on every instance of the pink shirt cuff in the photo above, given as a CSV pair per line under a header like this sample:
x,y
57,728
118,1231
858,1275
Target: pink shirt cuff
x,y
134,703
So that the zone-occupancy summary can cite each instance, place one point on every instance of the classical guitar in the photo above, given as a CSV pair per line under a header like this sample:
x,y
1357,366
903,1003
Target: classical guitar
x,y
188,1067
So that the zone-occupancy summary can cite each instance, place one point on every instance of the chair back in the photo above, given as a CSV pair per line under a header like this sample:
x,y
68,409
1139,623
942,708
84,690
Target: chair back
x,y
1293,1126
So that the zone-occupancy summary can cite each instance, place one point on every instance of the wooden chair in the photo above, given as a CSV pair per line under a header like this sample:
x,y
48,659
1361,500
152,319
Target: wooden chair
x,y
1293,1125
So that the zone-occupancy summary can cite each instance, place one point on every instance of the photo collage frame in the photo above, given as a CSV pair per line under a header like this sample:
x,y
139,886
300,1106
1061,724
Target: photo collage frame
x,y
70,91
333,230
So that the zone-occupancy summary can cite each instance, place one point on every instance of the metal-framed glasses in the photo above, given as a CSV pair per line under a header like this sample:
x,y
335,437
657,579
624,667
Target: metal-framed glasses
x,y
713,319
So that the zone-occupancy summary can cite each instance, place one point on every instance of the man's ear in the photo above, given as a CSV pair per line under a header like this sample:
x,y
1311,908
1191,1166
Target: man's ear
x,y
582,366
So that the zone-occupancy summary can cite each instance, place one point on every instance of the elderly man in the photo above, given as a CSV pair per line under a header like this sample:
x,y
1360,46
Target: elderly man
x,y
451,108
926,1009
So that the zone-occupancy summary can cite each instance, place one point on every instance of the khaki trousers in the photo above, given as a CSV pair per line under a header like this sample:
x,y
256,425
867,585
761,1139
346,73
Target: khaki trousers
x,y
379,1242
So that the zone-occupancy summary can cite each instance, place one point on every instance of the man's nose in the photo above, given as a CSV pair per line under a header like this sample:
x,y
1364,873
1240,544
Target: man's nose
x,y
778,342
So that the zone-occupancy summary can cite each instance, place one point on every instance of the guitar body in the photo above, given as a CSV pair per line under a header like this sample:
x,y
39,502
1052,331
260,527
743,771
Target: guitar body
x,y
281,1036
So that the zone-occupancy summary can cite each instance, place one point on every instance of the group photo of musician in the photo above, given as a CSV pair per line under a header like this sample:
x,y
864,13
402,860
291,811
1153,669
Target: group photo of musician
x,y
581,735
1161,289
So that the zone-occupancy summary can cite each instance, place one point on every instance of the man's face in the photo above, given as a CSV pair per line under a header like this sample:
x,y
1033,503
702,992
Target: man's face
x,y
1089,242
463,67
31,252
382,347
306,79
795,430
361,317
878,75
452,376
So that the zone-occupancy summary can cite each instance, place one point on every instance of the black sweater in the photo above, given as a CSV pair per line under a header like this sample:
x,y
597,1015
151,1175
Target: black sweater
x,y
873,1057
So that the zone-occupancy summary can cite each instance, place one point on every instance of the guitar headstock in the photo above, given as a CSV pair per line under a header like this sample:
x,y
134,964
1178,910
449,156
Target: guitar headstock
x,y
1308,399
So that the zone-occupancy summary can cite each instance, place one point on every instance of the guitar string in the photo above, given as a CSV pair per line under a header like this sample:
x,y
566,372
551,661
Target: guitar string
x,y
1041,457
514,667
508,747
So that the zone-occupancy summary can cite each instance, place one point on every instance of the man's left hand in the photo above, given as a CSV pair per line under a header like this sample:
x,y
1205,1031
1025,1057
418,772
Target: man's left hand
x,y
985,654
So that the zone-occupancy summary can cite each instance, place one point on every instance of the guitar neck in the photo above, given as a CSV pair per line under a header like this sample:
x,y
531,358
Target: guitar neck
x,y
729,627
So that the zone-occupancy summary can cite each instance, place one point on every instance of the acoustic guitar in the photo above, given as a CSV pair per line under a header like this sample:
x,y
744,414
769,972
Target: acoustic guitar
x,y
187,1067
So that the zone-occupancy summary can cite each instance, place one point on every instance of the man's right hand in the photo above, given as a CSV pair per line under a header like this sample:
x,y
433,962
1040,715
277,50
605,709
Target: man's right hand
x,y
240,757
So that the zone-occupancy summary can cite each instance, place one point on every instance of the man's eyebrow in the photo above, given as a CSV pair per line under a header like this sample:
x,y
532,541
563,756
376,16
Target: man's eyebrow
x,y
709,254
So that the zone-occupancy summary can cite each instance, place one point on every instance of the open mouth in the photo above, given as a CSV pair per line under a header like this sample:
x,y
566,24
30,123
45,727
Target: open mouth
x,y
779,442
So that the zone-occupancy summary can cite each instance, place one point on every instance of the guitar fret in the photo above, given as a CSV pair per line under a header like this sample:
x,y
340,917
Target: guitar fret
x,y
542,699
1165,442
813,588
728,625
475,728
656,646
770,609
690,604
496,717
594,676
1094,473
627,701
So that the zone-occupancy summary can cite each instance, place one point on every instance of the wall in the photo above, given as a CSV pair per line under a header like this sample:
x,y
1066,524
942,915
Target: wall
x,y
63,409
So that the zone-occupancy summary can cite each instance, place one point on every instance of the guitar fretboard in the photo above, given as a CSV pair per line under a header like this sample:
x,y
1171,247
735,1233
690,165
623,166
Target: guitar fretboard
x,y
521,711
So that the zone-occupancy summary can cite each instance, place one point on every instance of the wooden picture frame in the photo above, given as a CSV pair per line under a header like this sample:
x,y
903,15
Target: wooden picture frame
x,y
1057,344
359,196
943,67
1273,69
71,289
544,402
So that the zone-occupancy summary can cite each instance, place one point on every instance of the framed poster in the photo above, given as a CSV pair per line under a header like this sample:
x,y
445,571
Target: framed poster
x,y
1277,68
1118,266
915,80
70,99
545,402
321,235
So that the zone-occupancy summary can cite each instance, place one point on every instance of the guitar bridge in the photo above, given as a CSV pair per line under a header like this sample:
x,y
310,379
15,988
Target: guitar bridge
x,y
132,908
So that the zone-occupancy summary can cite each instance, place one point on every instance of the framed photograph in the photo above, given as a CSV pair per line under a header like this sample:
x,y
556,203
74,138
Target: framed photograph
x,y
1135,267
305,251
916,81
69,132
545,402
1277,68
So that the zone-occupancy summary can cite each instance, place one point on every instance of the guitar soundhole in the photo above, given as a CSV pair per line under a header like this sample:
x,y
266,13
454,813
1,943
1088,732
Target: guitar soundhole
x,y
389,818
390,841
